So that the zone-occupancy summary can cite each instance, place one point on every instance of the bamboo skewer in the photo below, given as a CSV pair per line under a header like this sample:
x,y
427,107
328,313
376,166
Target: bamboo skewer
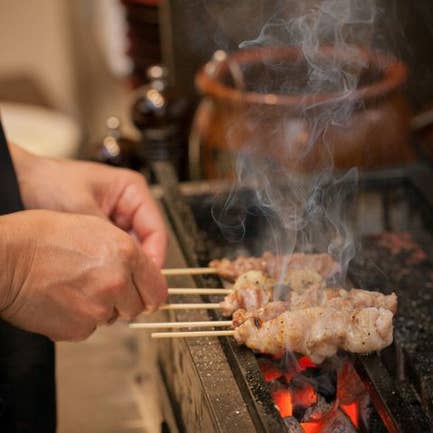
x,y
188,271
206,324
185,334
204,306
189,291
198,291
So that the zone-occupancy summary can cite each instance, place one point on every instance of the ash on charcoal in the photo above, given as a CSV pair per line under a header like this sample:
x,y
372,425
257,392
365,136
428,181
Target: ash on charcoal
x,y
318,410
293,425
338,423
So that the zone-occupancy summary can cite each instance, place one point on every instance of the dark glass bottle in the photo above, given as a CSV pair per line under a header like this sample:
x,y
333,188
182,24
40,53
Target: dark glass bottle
x,y
116,149
161,117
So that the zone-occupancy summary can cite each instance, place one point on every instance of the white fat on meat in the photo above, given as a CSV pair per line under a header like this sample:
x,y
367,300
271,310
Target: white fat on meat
x,y
319,332
251,290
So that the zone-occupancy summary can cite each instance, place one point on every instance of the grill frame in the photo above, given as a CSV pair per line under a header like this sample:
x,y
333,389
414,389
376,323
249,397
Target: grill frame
x,y
396,402
255,391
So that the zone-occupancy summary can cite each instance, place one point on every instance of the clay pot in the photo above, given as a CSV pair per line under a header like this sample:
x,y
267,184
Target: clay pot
x,y
262,99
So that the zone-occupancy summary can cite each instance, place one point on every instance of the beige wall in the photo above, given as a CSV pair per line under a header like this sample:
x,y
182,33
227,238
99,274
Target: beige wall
x,y
34,40
55,42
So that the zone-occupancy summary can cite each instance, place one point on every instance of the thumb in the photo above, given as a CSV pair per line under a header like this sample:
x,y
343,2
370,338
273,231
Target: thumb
x,y
154,247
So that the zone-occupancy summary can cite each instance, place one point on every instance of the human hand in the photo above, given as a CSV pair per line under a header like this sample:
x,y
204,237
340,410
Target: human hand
x,y
65,274
93,189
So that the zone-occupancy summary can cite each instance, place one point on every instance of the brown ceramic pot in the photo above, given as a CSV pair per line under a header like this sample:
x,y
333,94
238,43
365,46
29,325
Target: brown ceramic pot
x,y
257,98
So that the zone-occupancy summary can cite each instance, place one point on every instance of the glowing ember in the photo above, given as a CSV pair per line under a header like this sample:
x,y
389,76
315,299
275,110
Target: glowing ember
x,y
283,400
305,362
304,396
311,427
270,372
301,391
352,411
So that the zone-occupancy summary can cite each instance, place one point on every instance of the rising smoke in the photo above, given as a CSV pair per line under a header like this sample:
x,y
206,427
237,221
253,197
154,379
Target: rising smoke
x,y
305,210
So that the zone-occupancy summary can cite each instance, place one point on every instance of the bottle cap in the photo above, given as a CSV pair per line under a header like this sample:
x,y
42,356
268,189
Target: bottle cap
x,y
157,72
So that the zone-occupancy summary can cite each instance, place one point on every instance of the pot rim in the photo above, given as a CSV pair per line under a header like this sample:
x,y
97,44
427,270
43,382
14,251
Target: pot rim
x,y
394,76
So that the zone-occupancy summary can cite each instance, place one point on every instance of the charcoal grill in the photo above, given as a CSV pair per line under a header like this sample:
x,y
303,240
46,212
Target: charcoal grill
x,y
216,386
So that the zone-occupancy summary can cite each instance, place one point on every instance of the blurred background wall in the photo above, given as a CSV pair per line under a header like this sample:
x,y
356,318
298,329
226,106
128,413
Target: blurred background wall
x,y
82,58
75,56
35,53
56,54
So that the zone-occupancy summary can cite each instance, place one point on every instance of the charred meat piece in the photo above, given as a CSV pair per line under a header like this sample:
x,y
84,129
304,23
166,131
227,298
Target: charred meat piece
x,y
319,332
276,265
265,313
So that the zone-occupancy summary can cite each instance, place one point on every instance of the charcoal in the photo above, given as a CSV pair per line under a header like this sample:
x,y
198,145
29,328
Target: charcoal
x,y
338,423
293,425
317,411
324,382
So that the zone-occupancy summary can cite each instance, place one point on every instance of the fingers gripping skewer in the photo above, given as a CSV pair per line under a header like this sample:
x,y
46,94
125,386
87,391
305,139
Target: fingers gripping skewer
x,y
205,324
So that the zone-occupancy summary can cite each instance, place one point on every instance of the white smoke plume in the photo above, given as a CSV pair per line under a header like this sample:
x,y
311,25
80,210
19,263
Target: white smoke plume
x,y
308,211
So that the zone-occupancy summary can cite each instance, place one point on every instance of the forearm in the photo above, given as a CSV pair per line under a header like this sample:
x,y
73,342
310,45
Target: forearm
x,y
33,174
16,253
23,160
25,164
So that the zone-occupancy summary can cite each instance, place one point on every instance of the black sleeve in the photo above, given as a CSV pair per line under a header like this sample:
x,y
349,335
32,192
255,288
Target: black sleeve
x,y
27,384
10,199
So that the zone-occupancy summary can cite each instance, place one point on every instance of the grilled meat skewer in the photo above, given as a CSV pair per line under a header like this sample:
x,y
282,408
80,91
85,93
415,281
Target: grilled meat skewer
x,y
273,265
302,289
254,289
319,332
